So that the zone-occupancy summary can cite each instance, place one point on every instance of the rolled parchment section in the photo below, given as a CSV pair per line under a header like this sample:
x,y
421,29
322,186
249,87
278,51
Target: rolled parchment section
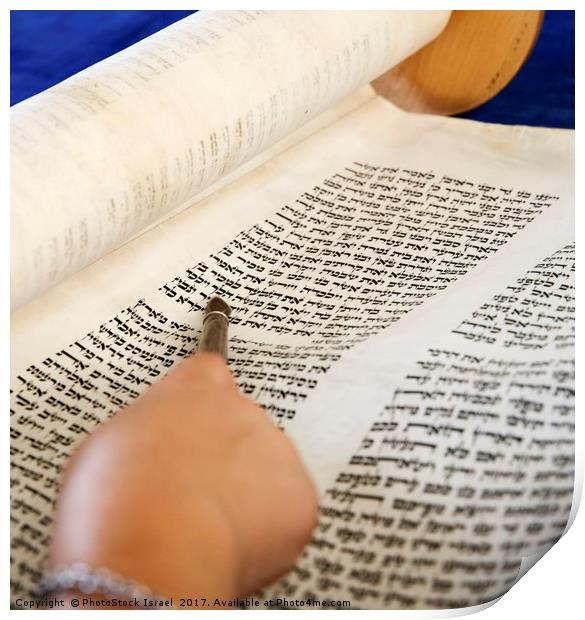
x,y
107,153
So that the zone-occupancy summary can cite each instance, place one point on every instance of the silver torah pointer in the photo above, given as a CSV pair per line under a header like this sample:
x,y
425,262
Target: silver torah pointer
x,y
214,333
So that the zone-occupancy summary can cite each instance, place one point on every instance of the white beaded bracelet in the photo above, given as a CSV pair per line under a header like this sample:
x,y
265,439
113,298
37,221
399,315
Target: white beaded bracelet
x,y
89,581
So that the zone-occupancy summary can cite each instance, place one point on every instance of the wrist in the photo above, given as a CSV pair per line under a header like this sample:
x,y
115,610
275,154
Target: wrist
x,y
200,560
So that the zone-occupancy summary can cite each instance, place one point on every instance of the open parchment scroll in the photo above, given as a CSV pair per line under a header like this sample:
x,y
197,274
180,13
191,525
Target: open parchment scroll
x,y
402,289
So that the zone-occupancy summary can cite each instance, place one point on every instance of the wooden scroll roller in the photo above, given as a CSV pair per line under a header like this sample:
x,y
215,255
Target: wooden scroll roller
x,y
471,61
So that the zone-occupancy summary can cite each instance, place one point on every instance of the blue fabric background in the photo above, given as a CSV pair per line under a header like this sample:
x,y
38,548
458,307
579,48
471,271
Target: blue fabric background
x,y
48,46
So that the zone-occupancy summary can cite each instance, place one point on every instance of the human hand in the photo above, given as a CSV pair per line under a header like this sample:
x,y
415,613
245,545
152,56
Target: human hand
x,y
191,491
